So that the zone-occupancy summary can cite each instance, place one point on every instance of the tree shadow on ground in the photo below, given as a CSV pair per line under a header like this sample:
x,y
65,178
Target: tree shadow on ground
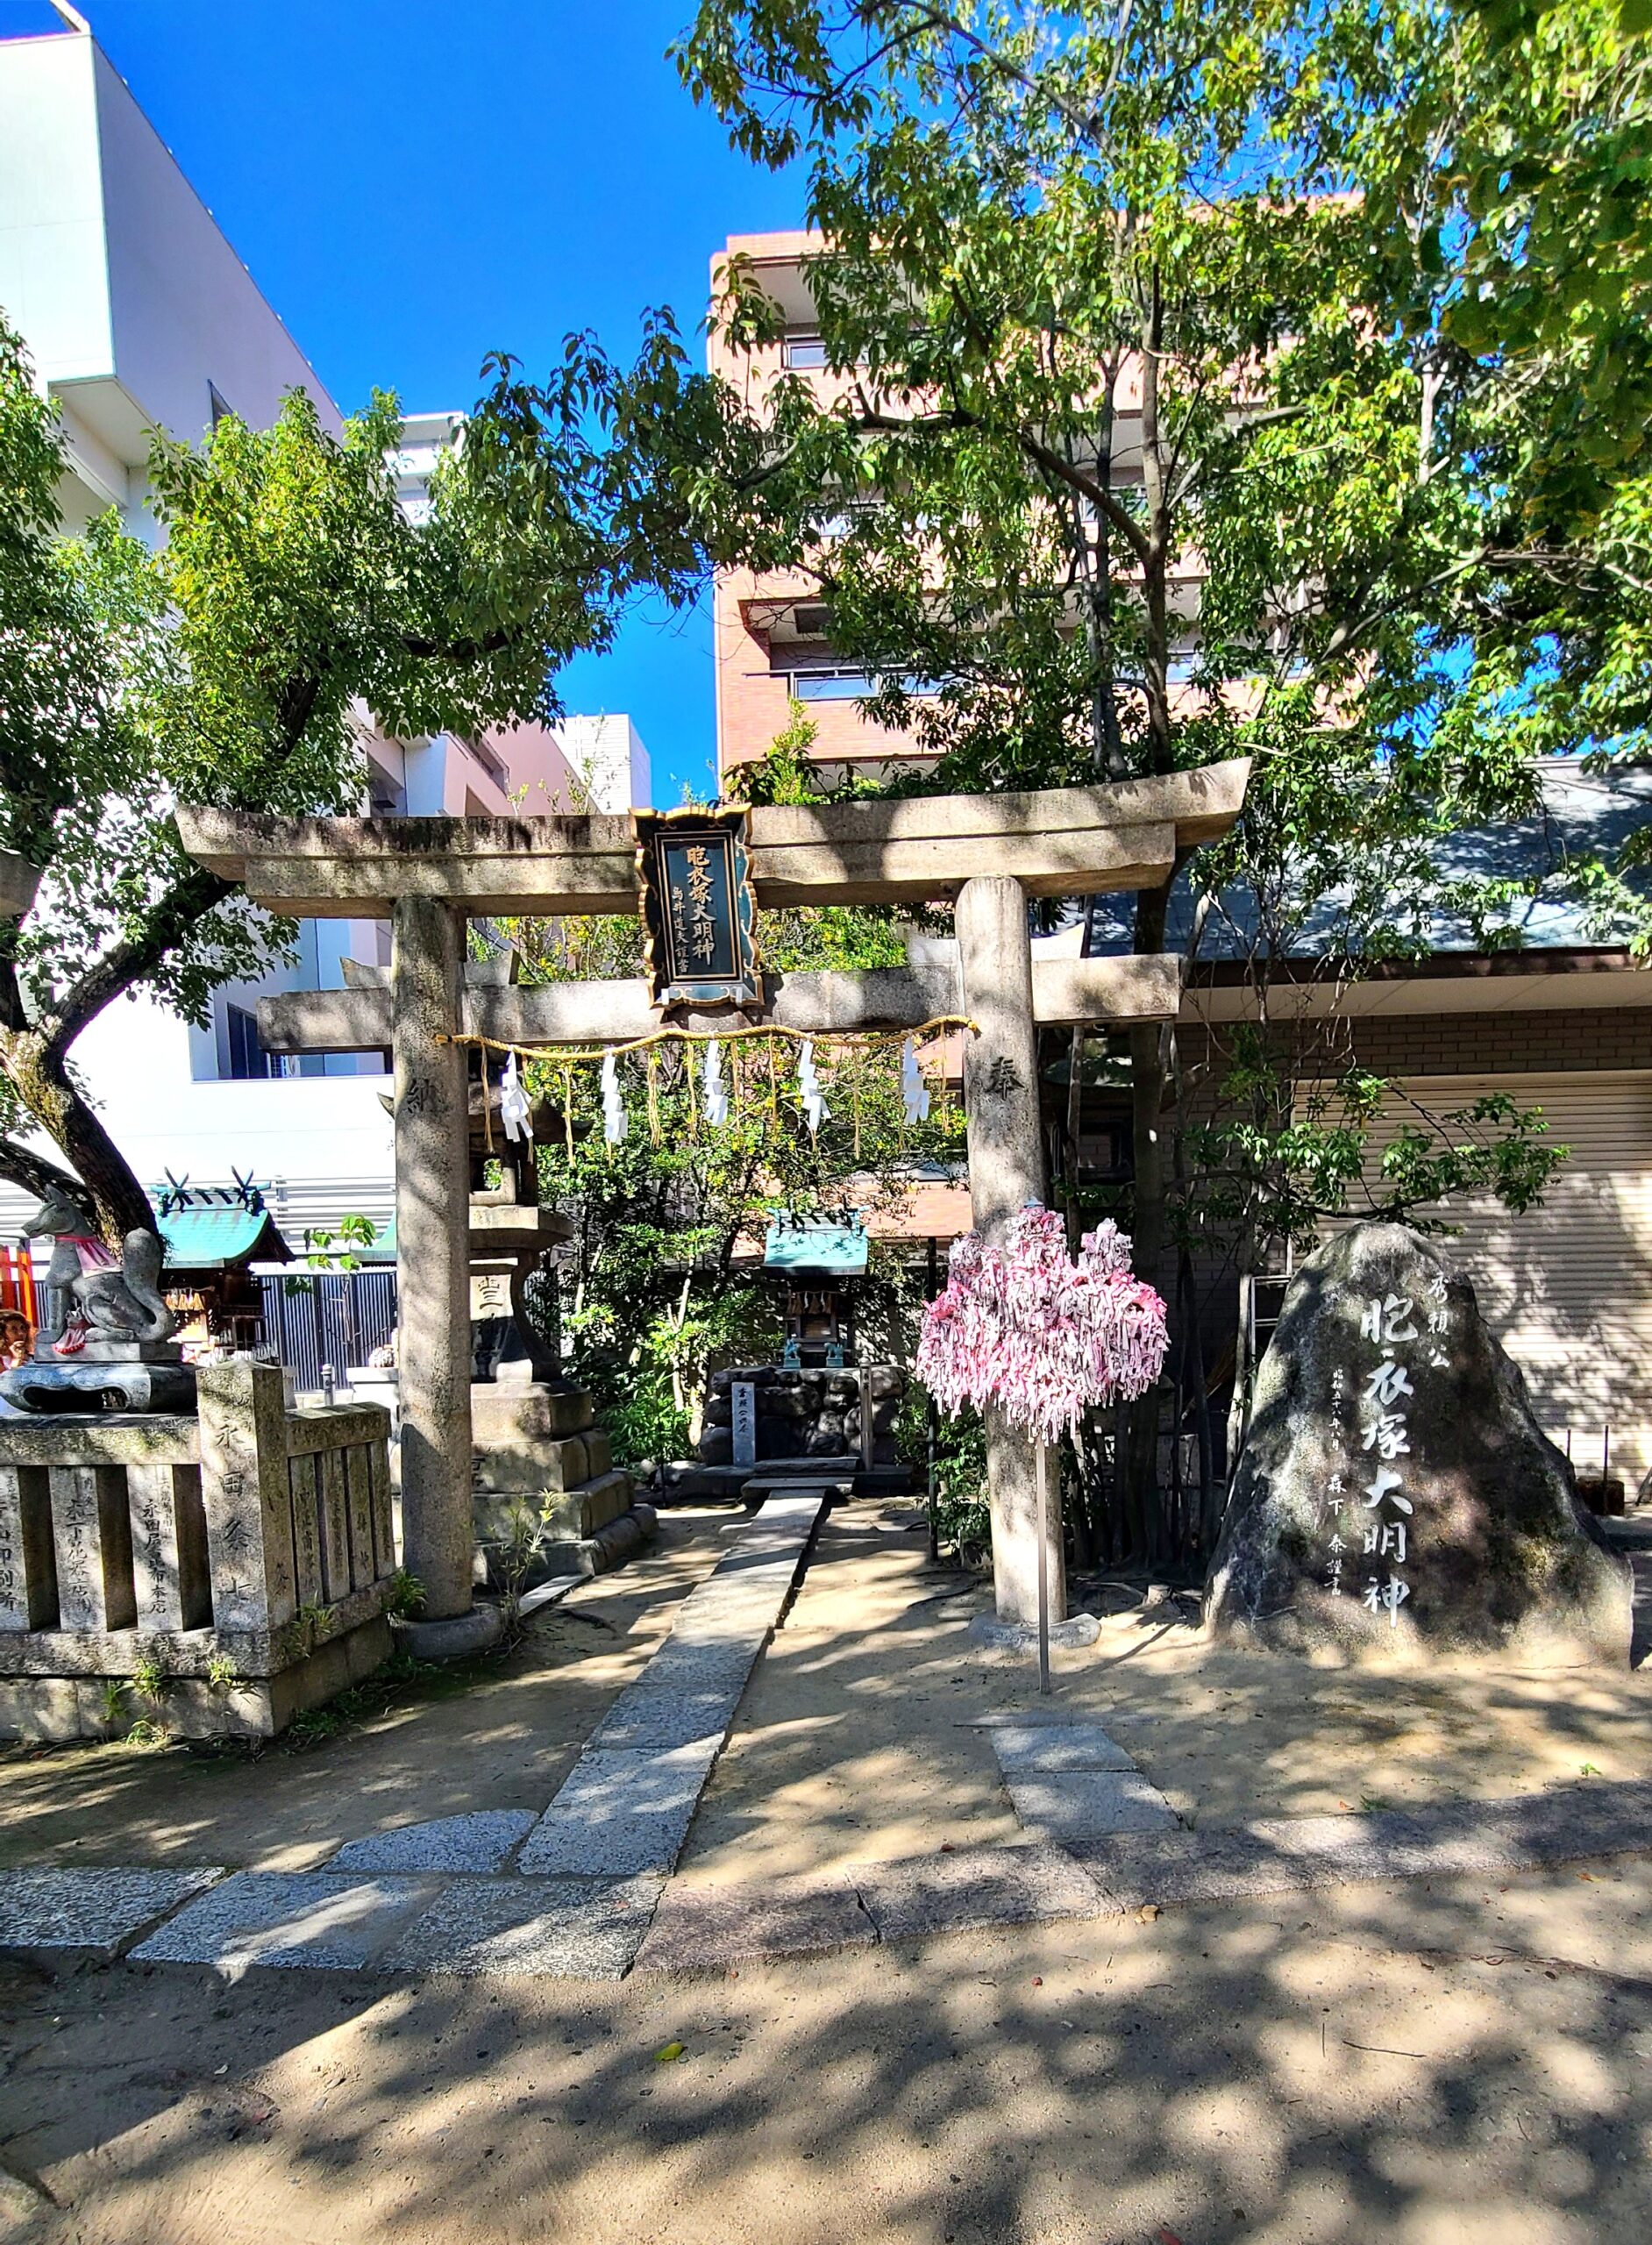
x,y
1458,2062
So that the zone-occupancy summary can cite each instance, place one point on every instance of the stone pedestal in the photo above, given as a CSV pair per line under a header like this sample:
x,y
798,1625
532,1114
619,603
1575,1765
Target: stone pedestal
x,y
804,1413
103,1375
538,1446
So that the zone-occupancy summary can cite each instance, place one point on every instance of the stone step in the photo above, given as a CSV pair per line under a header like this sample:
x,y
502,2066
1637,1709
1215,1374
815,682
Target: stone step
x,y
571,1514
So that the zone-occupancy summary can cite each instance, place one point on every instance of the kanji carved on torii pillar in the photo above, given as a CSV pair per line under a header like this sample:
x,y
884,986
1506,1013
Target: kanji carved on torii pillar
x,y
987,855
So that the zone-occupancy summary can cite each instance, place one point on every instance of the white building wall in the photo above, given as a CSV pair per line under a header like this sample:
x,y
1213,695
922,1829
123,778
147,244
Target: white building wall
x,y
53,273
608,753
185,311
133,306
319,1145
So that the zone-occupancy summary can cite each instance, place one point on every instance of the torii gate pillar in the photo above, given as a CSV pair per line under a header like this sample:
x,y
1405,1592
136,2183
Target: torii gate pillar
x,y
432,1268
1004,1139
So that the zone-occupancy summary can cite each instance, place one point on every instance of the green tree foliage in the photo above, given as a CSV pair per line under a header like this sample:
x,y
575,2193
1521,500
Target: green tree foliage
x,y
662,1283
1159,430
230,664
1143,447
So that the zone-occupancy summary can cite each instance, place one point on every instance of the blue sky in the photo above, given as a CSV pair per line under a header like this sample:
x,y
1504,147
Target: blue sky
x,y
414,185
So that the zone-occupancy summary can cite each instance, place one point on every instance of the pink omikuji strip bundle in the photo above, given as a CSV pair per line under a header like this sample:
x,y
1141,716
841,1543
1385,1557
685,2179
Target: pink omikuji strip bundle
x,y
1041,1335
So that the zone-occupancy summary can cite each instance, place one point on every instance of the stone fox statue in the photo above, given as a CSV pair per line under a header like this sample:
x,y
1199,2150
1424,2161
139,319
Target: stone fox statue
x,y
120,1302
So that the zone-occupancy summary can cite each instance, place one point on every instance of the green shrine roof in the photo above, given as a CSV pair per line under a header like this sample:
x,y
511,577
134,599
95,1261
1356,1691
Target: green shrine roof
x,y
219,1239
840,1248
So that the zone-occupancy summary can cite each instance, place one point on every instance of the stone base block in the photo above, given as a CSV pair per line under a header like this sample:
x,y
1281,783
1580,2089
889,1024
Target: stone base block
x,y
53,1710
579,1513
510,1413
610,1547
67,1386
568,1520
453,1638
524,1469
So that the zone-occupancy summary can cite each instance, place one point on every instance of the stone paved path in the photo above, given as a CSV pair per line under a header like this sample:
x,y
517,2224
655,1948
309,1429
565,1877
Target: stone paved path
x,y
568,1892
582,1890
600,1928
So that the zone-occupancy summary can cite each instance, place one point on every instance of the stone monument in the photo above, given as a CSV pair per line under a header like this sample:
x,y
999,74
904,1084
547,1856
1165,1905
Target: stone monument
x,y
1395,1494
110,1345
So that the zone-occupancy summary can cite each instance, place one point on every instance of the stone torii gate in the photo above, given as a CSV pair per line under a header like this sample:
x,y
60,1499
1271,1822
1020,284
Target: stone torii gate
x,y
987,855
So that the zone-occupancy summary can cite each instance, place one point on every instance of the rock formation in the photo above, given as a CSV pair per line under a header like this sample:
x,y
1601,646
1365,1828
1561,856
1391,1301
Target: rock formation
x,y
1395,1492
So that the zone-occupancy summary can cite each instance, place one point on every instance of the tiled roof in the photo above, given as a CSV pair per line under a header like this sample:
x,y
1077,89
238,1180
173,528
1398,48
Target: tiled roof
x,y
1583,815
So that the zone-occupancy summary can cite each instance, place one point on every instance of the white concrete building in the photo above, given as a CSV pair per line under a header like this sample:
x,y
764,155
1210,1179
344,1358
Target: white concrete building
x,y
139,314
608,755
138,311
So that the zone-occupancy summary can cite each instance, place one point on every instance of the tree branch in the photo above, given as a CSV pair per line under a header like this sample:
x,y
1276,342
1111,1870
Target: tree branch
x,y
170,919
22,1166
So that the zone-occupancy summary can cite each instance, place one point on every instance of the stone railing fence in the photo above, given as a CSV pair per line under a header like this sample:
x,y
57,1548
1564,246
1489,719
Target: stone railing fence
x,y
212,1575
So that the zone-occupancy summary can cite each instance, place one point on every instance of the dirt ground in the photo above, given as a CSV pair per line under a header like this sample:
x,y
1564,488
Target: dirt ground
x,y
498,1735
1455,2064
1452,2064
860,1738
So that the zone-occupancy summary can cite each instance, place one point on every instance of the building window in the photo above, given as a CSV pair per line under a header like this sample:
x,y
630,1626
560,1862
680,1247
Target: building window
x,y
247,1057
832,685
804,354
848,685
479,752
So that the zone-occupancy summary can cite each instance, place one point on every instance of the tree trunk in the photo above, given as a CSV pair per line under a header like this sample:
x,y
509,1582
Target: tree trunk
x,y
109,1191
1150,1225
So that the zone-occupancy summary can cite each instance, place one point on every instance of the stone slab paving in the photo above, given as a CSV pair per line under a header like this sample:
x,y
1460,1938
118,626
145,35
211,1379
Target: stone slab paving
x,y
697,1665
975,1886
1278,1854
626,1805
1071,1805
561,1928
1071,1781
653,1714
587,1927
95,1915
1038,1749
477,1843
318,1918
706,1929
621,1812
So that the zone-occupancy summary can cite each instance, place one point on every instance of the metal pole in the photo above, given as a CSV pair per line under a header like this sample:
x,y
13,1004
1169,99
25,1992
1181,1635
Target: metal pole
x,y
1044,1569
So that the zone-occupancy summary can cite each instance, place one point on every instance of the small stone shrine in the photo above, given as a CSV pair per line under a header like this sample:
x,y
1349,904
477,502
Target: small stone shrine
x,y
818,1260
1395,1494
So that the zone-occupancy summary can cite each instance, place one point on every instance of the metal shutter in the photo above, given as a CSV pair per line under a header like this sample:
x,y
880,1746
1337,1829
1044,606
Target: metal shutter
x,y
1567,1287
